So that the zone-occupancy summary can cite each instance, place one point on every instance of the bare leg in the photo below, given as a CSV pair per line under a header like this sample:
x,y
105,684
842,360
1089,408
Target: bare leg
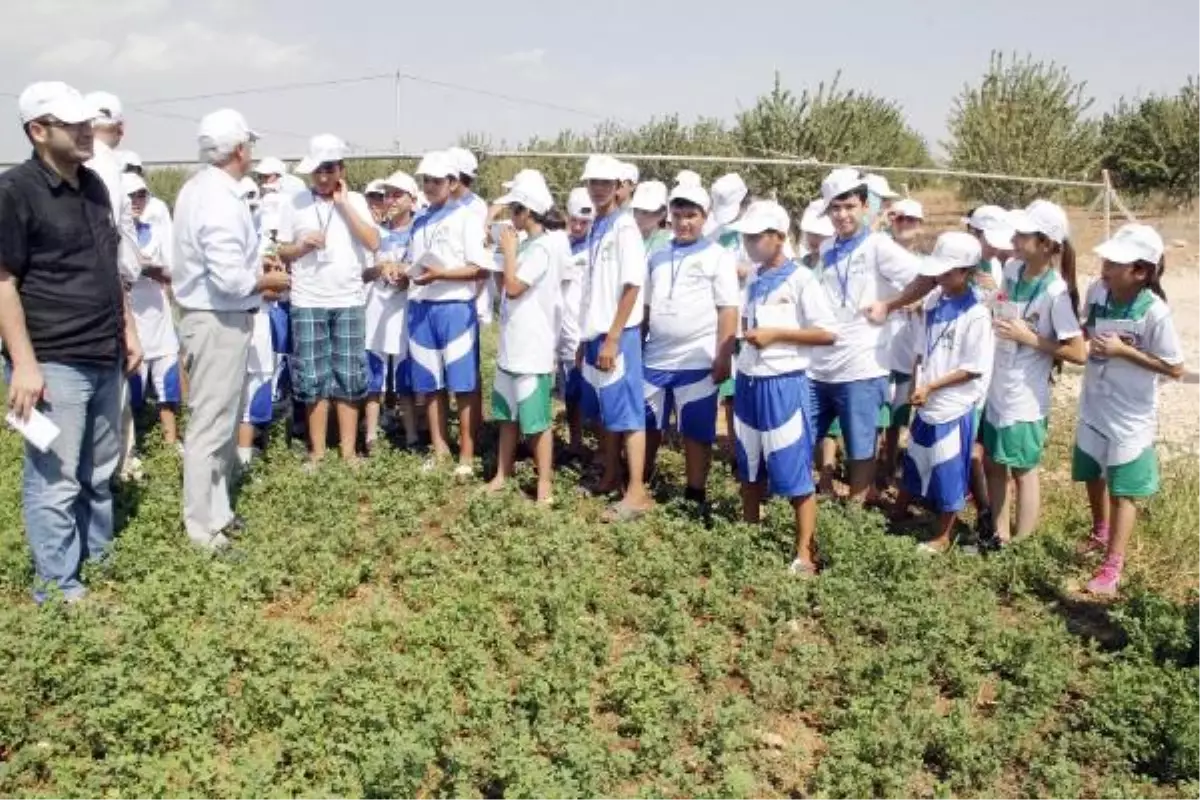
x,y
653,442
318,428
1097,491
1123,514
543,458
730,437
826,461
697,460
505,456
862,475
805,509
752,496
997,479
408,412
574,428
979,486
371,410
635,452
347,417
891,455
166,420
470,411
610,453
1029,500
945,529
435,412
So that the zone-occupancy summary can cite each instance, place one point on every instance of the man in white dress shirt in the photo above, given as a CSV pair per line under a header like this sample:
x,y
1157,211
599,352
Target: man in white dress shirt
x,y
217,279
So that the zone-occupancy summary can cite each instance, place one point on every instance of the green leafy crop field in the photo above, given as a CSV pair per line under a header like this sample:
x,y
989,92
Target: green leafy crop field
x,y
387,632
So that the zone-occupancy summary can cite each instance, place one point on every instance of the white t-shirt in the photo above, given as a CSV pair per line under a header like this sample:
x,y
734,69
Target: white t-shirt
x,y
876,269
528,324
570,298
261,358
330,277
1120,399
793,303
386,303
616,259
148,299
453,237
962,339
903,347
1020,388
685,288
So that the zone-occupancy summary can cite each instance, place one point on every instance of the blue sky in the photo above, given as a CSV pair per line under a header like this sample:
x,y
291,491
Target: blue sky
x,y
623,59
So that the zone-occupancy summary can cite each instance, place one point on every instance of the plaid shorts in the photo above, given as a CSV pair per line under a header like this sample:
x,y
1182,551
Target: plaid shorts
x,y
330,359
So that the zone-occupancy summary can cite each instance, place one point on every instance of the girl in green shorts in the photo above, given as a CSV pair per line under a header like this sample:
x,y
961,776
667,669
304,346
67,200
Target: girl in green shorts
x,y
1036,322
1132,344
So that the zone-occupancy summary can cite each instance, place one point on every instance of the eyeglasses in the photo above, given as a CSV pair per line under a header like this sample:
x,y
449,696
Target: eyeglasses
x,y
54,122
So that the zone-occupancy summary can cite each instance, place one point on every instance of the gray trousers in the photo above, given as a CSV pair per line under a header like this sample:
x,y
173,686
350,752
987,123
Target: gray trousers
x,y
217,344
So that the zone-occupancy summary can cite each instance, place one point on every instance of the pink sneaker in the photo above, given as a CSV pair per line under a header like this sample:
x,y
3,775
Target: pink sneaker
x,y
1106,581
1096,543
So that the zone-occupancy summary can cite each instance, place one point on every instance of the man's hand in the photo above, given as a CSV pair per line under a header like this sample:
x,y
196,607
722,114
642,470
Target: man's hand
x,y
720,370
607,359
274,281
311,240
508,242
876,313
761,337
1015,330
26,389
133,351
920,395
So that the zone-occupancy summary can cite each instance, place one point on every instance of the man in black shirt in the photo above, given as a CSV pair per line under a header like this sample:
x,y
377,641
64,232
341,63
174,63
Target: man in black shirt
x,y
67,333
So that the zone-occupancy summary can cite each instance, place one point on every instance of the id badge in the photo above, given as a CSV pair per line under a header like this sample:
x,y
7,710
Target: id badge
x,y
1005,309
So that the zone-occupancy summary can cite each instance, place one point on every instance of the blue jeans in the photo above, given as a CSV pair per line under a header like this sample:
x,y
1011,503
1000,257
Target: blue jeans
x,y
67,492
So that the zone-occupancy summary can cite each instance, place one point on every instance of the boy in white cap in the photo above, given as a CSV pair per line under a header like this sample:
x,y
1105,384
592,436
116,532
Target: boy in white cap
x,y
691,301
273,176
151,309
611,348
258,393
815,230
858,268
649,205
327,235
387,301
786,316
485,288
529,310
879,195
579,222
955,348
157,213
687,177
1133,346
446,257
992,226
627,184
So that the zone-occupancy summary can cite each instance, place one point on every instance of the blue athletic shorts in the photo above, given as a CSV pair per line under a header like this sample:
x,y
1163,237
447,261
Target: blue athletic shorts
x,y
615,397
855,404
774,433
937,463
570,382
443,346
688,394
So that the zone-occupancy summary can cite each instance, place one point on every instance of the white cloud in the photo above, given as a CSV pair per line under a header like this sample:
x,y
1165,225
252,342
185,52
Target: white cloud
x,y
191,44
75,52
530,58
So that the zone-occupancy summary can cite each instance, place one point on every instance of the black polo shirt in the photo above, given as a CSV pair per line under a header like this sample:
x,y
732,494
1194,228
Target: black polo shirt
x,y
60,243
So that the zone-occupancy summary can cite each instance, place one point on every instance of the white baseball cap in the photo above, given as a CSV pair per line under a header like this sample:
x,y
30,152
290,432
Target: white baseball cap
x,y
953,249
105,107
601,167
132,182
687,177
224,130
1044,217
908,207
130,159
375,187
985,217
524,173
728,193
467,163
403,181
763,215
815,220
579,204
531,192
649,196
629,172
839,182
693,193
324,148
1132,243
878,185
270,165
437,164
53,99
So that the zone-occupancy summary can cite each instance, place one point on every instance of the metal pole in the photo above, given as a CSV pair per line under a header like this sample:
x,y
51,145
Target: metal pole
x,y
396,111
1107,204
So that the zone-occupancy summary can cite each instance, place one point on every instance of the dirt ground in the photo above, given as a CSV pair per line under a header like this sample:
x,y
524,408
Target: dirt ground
x,y
1179,402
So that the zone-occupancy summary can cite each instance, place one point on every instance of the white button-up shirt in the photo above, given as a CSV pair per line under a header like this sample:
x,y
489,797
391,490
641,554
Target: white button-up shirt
x,y
216,265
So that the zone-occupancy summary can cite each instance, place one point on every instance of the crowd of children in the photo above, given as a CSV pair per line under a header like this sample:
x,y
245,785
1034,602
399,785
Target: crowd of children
x,y
648,308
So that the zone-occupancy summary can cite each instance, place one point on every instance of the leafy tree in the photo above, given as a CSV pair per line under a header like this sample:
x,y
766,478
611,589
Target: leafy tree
x,y
1025,117
1153,144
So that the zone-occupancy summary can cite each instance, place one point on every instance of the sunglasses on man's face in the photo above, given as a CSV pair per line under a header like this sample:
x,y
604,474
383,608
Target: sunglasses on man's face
x,y
54,122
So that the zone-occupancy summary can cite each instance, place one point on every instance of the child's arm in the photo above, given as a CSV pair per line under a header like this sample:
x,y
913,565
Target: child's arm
x,y
1072,350
917,288
811,337
1110,345
607,358
921,394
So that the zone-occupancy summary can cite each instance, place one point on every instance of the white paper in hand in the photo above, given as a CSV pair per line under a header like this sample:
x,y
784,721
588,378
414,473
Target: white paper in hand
x,y
427,261
778,316
39,430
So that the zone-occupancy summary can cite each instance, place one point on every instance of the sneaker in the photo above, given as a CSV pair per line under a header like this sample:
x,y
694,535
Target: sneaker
x,y
1106,581
132,471
802,569
985,525
1092,545
216,543
464,472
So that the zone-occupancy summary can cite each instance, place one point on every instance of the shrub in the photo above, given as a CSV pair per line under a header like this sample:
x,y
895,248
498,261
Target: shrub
x,y
1153,144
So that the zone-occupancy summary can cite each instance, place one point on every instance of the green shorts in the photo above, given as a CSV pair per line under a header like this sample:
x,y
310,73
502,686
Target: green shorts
x,y
523,399
1129,473
725,390
1017,446
900,412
